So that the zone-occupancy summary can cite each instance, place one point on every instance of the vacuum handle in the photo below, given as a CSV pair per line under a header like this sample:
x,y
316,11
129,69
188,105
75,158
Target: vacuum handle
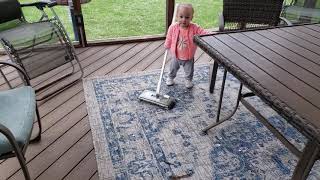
x,y
161,74
165,54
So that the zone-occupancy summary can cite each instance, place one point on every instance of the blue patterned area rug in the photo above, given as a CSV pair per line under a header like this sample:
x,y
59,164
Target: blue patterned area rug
x,y
138,140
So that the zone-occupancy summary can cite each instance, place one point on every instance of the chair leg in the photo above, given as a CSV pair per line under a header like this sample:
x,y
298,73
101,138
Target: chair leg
x,y
52,94
22,162
17,150
38,137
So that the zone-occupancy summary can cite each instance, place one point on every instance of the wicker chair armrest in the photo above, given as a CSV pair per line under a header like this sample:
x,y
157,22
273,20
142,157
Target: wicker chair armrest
x,y
19,69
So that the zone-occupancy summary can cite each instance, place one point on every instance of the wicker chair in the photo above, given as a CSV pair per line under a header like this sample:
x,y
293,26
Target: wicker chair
x,y
40,47
247,14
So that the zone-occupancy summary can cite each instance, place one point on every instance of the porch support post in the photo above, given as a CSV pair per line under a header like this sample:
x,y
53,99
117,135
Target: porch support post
x,y
79,24
169,13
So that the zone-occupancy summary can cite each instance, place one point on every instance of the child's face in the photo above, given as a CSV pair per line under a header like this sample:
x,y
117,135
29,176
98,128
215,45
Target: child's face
x,y
184,16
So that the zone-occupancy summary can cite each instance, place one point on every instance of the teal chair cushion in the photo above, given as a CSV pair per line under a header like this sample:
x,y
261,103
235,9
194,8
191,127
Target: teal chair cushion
x,y
17,112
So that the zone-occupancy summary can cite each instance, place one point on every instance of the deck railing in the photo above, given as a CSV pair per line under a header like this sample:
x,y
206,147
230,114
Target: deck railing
x,y
79,28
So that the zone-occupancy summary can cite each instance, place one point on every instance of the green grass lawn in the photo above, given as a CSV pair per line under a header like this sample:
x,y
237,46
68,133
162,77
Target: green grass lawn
x,y
124,18
107,19
121,18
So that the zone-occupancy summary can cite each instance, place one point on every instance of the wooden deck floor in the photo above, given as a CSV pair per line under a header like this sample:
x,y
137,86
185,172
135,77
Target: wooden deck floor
x,y
66,149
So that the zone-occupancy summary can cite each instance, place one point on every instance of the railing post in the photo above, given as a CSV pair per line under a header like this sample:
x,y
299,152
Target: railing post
x,y
310,3
169,13
79,23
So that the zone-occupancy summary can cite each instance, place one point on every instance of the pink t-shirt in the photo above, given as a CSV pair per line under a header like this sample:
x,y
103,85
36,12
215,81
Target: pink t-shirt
x,y
183,44
173,40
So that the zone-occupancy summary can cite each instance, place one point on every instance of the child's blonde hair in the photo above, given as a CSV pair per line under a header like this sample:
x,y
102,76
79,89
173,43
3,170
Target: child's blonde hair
x,y
185,5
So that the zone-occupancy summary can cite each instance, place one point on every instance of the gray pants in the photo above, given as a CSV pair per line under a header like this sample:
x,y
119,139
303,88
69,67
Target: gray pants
x,y
188,67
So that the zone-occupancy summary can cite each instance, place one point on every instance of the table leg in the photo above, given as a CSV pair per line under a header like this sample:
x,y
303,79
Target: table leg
x,y
205,130
305,163
213,76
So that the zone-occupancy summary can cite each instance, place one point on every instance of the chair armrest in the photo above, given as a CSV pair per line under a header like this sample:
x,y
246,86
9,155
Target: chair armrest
x,y
66,3
19,69
12,140
6,132
286,21
221,22
40,4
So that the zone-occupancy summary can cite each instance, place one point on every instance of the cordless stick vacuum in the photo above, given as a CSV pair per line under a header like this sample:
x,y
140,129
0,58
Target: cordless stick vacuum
x,y
164,101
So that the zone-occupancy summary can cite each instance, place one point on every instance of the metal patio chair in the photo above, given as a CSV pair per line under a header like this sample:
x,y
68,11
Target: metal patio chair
x,y
245,15
18,109
42,48
302,11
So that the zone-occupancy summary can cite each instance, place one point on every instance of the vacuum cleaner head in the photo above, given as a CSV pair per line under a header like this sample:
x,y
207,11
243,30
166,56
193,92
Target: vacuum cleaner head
x,y
164,101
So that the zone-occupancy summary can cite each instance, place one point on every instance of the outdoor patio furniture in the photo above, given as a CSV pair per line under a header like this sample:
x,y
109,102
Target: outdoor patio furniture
x,y
18,109
247,14
41,47
281,66
302,11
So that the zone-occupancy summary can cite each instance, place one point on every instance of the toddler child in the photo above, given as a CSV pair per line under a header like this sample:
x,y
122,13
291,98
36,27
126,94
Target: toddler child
x,y
179,41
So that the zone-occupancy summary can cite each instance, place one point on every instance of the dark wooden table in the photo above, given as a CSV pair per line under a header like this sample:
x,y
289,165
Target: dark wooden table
x,y
282,67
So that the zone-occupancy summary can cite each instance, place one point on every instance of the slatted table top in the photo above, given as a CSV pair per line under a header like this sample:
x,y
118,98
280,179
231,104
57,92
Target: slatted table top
x,y
280,65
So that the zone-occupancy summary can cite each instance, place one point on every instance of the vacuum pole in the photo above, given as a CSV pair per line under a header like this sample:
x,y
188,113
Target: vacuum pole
x,y
165,55
161,74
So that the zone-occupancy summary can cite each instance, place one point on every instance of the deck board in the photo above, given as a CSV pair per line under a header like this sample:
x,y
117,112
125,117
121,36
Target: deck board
x,y
66,149
85,169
